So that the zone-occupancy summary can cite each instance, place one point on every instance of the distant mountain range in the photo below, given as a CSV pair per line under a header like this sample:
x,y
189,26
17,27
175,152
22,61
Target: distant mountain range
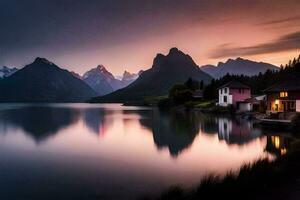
x,y
164,73
238,66
104,82
43,81
6,71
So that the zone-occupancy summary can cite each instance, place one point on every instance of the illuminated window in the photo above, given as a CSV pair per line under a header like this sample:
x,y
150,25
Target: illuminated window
x,y
283,94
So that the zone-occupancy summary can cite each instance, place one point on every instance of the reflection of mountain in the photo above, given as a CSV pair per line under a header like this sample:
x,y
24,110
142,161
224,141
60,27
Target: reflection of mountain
x,y
237,131
94,120
176,131
39,122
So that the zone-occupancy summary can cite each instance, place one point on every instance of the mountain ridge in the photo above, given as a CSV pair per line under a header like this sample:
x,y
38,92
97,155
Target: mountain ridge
x,y
7,71
238,66
43,81
166,70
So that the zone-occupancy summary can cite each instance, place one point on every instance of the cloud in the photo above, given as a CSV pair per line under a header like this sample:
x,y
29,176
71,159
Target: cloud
x,y
284,43
281,21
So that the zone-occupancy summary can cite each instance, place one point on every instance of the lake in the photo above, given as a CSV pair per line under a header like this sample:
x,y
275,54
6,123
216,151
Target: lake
x,y
108,151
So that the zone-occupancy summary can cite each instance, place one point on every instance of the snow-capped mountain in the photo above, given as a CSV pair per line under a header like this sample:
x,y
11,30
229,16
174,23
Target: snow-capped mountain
x,y
127,76
100,80
6,71
104,82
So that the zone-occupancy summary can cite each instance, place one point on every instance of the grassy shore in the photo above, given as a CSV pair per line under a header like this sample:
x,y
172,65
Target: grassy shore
x,y
264,179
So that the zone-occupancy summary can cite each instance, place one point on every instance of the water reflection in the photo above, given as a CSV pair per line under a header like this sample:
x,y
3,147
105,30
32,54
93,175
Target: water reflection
x,y
279,144
115,152
94,120
237,131
38,122
173,130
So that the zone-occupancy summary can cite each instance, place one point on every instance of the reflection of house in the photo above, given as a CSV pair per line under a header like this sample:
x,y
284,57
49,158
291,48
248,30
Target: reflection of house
x,y
235,131
233,93
278,144
284,97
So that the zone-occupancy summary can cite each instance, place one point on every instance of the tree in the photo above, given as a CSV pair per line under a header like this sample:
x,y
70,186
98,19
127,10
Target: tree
x,y
201,85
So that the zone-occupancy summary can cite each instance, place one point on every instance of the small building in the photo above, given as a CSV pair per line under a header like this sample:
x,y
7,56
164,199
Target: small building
x,y
233,93
284,97
255,103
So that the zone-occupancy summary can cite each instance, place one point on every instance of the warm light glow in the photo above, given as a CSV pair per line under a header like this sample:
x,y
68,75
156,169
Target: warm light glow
x,y
283,151
276,102
276,141
283,94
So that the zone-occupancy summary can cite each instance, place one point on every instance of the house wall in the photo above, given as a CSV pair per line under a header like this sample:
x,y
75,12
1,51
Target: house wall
x,y
298,106
239,94
245,107
222,93
272,97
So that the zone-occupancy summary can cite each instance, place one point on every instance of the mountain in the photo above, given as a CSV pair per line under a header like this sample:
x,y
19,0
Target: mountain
x,y
165,72
6,72
100,80
43,81
128,78
238,66
104,82
76,75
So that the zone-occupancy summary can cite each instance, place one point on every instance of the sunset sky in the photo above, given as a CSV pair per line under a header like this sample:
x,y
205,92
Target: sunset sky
x,y
127,34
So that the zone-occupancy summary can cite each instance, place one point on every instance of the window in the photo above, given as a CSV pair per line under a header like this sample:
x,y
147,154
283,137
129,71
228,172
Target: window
x,y
225,99
225,90
221,91
283,94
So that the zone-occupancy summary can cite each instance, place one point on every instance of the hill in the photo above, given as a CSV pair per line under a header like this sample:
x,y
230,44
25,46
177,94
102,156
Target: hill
x,y
43,81
164,73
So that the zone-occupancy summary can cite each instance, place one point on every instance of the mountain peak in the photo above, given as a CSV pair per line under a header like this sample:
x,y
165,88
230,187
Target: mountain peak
x,y
126,73
239,59
174,50
127,76
42,60
101,68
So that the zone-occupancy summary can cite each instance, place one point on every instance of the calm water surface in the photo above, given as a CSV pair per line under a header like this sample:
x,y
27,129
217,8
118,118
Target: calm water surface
x,y
82,151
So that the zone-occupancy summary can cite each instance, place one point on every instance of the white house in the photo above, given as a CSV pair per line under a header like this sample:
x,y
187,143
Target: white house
x,y
233,93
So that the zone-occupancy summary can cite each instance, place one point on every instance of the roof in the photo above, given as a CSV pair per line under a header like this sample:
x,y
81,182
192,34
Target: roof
x,y
292,85
235,84
255,99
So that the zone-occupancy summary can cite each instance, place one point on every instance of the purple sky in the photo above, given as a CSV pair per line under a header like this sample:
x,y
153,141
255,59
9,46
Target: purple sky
x,y
127,34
